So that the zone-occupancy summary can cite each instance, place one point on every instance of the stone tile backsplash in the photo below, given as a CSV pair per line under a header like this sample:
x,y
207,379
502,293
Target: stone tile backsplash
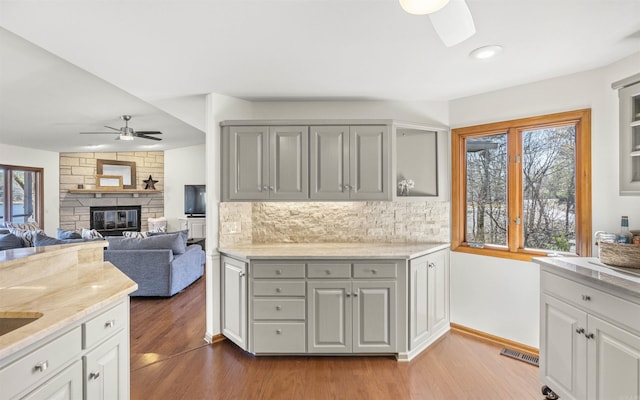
x,y
306,222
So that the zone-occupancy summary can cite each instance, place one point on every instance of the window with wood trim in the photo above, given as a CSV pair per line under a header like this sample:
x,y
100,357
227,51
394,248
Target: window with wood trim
x,y
21,194
522,188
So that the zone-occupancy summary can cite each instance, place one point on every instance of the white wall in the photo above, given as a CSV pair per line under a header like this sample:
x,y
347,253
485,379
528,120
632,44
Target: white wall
x,y
183,166
500,296
50,162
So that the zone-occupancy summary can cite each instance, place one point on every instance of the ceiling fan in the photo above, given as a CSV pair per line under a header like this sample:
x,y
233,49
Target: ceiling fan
x,y
126,133
451,19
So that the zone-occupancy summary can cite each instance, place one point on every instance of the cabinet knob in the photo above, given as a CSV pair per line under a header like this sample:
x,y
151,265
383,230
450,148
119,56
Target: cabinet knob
x,y
41,366
590,335
94,375
278,290
374,271
271,188
580,330
265,188
242,274
328,272
278,272
278,308
279,331
355,294
431,265
110,324
586,297
348,294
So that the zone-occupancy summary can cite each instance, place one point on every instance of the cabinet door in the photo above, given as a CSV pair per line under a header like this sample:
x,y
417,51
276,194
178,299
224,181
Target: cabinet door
x,y
329,164
563,348
369,163
438,282
197,228
329,313
614,362
67,385
374,316
106,370
234,301
630,140
248,163
289,155
418,301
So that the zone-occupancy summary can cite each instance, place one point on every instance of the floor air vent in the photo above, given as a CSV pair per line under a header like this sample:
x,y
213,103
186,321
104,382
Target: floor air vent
x,y
519,356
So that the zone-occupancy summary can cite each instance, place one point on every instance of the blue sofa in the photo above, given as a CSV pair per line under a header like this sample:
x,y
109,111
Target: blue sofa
x,y
161,265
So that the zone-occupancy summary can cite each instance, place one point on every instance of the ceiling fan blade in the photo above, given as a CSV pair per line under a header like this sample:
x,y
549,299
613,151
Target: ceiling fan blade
x,y
110,127
453,23
149,132
148,137
98,133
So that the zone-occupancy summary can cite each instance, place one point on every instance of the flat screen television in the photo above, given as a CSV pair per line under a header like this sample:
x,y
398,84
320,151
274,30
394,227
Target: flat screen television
x,y
195,200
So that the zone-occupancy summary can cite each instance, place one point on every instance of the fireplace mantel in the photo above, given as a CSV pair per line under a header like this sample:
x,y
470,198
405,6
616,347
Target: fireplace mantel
x,y
100,192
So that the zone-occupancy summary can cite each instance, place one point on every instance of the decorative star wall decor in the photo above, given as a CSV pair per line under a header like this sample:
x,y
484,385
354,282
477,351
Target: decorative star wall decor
x,y
150,183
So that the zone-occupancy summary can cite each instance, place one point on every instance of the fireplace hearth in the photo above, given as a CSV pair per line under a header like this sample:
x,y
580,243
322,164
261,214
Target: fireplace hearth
x,y
113,220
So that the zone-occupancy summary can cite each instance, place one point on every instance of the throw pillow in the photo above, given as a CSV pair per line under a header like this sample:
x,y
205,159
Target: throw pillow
x,y
131,234
31,226
10,241
41,239
90,234
159,229
183,234
64,234
26,236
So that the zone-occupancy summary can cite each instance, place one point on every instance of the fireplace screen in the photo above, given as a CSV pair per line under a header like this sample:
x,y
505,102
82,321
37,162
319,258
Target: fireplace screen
x,y
112,221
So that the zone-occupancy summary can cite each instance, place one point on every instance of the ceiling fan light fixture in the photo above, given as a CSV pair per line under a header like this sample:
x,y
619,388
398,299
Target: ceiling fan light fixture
x,y
486,52
125,137
422,7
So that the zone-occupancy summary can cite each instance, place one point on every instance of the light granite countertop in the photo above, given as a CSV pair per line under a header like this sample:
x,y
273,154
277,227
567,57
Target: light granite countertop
x,y
590,268
324,251
63,288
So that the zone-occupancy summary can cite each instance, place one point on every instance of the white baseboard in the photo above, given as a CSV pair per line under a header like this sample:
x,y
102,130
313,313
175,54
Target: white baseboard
x,y
406,357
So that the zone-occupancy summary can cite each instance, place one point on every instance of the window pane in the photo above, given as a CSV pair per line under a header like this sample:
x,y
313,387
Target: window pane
x,y
548,185
23,196
487,219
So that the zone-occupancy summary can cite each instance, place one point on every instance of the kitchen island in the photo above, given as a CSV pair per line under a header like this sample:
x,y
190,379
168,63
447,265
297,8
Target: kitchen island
x,y
335,298
589,328
64,323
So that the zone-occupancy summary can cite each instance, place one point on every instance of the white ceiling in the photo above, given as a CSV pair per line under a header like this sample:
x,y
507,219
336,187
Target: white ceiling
x,y
299,49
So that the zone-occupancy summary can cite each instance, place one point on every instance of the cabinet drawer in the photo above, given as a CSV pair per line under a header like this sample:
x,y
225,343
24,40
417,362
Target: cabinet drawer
x,y
612,308
329,270
40,364
104,325
278,288
279,271
278,309
386,270
284,337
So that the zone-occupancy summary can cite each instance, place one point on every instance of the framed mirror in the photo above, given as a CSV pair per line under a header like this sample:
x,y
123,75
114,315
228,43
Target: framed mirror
x,y
108,182
125,169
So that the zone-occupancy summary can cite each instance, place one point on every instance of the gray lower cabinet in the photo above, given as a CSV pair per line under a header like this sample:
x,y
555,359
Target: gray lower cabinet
x,y
265,163
428,297
234,301
89,360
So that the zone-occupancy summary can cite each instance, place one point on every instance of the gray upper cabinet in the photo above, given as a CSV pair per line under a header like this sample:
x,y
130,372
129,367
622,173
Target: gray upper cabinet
x,y
350,163
629,95
266,162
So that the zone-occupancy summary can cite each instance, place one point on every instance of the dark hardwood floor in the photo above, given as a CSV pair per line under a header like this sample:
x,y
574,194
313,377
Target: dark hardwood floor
x,y
170,360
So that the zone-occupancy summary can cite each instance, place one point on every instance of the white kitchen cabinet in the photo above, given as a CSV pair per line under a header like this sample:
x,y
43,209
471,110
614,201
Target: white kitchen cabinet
x,y
589,339
629,113
350,162
428,297
330,316
265,163
53,368
197,227
234,301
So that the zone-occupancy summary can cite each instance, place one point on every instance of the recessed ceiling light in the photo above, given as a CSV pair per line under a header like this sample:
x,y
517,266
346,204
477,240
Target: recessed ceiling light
x,y
486,52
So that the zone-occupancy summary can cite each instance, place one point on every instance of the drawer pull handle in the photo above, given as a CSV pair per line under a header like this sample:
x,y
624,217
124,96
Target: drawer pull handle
x,y
580,330
590,335
586,297
278,331
94,375
278,272
41,366
278,308
278,290
110,324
